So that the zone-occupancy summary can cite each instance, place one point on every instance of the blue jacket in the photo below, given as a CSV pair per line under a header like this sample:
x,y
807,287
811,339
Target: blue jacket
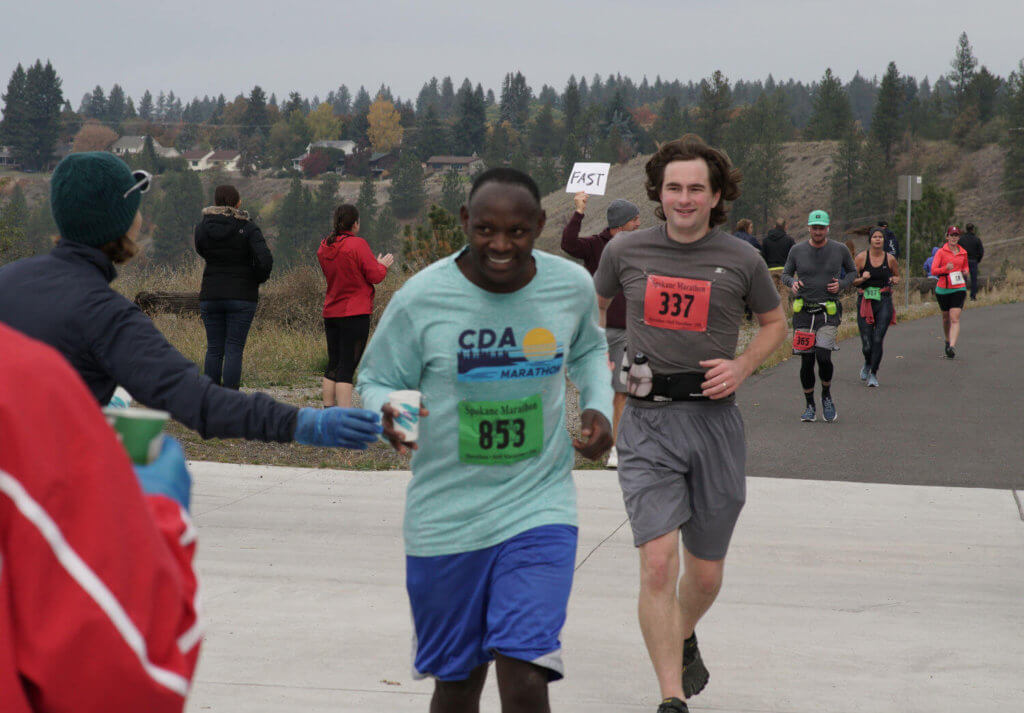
x,y
64,299
748,238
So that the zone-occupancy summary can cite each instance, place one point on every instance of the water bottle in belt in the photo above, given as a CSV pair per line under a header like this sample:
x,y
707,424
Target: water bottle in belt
x,y
641,378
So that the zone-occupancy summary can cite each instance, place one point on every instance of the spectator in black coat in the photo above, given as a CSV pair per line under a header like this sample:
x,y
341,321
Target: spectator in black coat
x,y
744,230
237,262
775,246
970,242
891,243
64,299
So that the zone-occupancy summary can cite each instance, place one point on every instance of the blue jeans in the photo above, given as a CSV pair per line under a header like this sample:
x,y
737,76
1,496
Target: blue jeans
x,y
227,326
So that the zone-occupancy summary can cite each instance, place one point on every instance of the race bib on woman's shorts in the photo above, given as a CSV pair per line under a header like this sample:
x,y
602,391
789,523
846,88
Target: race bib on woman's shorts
x,y
677,303
956,278
802,341
872,293
500,432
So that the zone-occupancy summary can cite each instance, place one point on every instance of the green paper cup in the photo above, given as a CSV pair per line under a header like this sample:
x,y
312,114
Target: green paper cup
x,y
138,429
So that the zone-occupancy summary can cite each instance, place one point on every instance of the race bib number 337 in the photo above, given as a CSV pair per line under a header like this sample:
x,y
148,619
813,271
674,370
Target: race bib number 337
x,y
500,432
677,303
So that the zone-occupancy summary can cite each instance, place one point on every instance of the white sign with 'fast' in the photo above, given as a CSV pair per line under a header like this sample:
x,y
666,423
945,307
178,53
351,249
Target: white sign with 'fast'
x,y
591,178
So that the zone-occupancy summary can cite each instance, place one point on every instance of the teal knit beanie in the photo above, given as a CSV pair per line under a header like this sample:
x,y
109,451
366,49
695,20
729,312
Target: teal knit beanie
x,y
87,198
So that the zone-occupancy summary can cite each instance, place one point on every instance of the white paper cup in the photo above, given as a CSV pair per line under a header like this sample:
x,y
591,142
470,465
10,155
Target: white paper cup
x,y
407,413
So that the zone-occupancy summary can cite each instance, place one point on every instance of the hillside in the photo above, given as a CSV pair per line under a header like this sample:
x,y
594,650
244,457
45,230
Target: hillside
x,y
974,176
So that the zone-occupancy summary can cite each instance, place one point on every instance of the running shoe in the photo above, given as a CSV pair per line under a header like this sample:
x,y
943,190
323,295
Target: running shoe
x,y
808,414
872,380
865,372
613,459
695,673
828,409
673,705
950,353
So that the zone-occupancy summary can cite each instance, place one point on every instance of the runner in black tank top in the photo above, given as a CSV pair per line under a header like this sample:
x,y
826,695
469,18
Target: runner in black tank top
x,y
877,271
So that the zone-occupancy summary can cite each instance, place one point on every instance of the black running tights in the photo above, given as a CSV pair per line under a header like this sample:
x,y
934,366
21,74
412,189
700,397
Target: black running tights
x,y
824,359
872,335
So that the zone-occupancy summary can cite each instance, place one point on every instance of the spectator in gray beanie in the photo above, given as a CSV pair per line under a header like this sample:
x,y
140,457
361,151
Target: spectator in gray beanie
x,y
623,216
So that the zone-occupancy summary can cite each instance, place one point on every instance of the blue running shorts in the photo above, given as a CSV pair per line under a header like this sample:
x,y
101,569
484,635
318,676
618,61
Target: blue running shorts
x,y
508,599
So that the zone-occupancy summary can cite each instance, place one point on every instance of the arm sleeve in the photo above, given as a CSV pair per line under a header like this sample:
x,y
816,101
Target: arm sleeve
x,y
262,260
938,266
393,358
606,279
788,270
373,271
571,241
762,297
134,352
981,249
116,565
199,239
851,270
588,359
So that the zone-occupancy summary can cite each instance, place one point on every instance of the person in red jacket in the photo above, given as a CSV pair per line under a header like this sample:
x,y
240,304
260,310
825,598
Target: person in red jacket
x,y
351,271
950,265
97,592
623,216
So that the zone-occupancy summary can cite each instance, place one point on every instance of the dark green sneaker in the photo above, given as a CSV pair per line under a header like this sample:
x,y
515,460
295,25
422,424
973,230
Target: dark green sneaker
x,y
673,705
695,673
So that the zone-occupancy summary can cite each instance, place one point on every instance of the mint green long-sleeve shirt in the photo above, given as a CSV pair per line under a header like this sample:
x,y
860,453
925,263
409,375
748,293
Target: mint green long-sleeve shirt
x,y
494,456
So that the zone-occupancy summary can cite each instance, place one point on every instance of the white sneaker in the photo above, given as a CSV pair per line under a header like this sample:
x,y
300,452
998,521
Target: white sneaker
x,y
613,459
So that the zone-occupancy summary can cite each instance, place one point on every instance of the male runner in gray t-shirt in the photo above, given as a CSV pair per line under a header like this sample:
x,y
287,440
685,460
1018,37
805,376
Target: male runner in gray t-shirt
x,y
681,448
817,310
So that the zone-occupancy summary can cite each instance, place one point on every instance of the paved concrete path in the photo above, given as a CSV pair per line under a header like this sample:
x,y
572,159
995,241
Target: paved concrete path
x,y
839,596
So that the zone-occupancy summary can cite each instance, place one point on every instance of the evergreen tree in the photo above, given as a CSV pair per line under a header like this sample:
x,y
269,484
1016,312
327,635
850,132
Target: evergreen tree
x,y
453,192
431,137
887,121
146,106
515,100
470,130
861,94
366,203
447,105
147,160
295,238
44,99
845,181
831,117
713,111
342,101
324,203
360,122
754,142
97,104
385,232
15,127
670,123
256,120
543,136
407,191
984,92
931,216
1013,165
571,105
547,176
962,68
440,237
175,216
117,105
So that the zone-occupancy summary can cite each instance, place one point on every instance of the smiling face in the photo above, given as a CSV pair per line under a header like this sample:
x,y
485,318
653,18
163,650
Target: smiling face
x,y
687,199
502,221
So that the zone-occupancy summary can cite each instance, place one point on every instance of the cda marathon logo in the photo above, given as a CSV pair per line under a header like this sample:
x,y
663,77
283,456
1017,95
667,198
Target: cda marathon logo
x,y
497,355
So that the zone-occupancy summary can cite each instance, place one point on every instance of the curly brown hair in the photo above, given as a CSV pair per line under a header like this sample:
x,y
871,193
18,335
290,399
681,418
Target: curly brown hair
x,y
725,179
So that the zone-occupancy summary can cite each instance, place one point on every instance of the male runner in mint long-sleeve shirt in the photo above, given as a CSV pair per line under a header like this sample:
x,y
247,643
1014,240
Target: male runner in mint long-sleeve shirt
x,y
488,336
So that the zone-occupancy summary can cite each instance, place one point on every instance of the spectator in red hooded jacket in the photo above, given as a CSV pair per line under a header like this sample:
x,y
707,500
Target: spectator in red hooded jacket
x,y
351,271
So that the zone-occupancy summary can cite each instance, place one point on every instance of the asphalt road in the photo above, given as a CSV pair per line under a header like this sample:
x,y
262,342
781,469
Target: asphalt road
x,y
933,421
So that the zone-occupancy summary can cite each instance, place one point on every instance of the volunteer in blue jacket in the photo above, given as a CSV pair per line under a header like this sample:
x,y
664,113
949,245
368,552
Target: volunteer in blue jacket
x,y
64,299
488,336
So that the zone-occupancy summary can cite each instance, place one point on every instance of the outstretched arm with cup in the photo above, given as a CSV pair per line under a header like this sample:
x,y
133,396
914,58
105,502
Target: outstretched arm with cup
x,y
392,362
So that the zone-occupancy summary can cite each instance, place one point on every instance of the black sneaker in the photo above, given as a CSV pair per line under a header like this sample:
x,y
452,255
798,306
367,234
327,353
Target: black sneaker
x,y
695,673
673,705
950,353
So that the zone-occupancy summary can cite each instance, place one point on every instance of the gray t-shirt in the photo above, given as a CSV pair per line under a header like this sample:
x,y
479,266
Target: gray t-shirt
x,y
816,267
684,301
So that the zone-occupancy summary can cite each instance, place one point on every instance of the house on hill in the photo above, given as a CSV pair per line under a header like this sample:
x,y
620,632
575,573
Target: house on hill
x,y
7,159
205,159
134,145
197,159
344,146
382,161
459,164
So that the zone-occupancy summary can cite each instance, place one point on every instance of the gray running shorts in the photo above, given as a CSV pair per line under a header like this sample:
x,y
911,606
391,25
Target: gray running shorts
x,y
683,466
616,339
824,326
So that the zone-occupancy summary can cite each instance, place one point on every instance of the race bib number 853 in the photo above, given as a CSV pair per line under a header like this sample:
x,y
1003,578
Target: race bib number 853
x,y
500,432
677,303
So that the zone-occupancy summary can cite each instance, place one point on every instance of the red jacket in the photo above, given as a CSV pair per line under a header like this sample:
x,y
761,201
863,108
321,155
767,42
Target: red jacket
x,y
97,592
351,271
942,258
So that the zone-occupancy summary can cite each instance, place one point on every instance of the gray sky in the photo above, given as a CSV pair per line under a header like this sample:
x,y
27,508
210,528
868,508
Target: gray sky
x,y
312,46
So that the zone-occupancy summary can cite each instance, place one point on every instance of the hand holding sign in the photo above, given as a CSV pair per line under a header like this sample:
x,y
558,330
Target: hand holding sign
x,y
589,177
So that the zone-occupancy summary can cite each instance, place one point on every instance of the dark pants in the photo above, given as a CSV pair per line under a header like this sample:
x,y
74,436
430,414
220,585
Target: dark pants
x,y
872,335
227,326
973,265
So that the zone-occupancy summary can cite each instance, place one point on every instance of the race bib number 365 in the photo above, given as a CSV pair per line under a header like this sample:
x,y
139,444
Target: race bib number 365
x,y
677,303
500,432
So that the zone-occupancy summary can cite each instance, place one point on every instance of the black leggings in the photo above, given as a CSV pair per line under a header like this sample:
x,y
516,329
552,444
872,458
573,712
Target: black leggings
x,y
824,359
872,335
346,339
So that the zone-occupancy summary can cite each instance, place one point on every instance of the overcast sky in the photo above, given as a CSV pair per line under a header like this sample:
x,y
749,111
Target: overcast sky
x,y
312,46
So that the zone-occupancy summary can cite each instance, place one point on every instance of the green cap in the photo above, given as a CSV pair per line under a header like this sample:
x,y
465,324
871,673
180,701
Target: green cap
x,y
817,217
87,197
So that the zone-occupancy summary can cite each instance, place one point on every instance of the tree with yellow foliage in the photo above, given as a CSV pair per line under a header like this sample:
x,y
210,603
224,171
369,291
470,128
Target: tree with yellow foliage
x,y
323,124
385,128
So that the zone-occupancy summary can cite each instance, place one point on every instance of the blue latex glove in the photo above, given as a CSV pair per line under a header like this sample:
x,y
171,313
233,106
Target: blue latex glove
x,y
353,428
167,475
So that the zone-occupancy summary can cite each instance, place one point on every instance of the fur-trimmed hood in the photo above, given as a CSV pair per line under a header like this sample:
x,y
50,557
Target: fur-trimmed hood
x,y
226,211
